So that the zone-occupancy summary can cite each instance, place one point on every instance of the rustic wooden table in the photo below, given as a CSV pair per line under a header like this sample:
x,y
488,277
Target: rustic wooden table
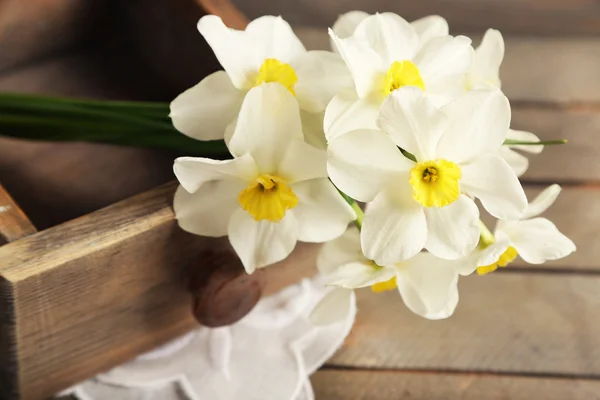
x,y
525,332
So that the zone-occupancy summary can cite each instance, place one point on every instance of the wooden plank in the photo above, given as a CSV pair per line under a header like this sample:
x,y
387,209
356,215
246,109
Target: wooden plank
x,y
553,17
332,384
92,293
14,224
526,75
575,161
515,323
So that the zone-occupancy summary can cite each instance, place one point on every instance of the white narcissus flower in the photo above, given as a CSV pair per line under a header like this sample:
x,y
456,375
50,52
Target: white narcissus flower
x,y
426,27
386,53
273,193
484,72
536,240
428,203
267,51
427,284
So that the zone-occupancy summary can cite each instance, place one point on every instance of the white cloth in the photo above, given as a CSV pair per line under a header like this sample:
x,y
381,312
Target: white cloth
x,y
268,355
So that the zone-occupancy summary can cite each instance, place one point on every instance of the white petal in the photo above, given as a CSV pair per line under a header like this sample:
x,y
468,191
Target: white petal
x,y
478,123
334,307
492,253
259,244
390,35
430,27
340,251
207,211
413,122
452,231
203,111
365,65
542,202
239,54
276,37
362,162
347,112
268,121
356,275
346,24
518,162
193,172
321,75
394,228
428,286
442,62
312,126
538,240
525,137
302,162
485,69
493,181
322,212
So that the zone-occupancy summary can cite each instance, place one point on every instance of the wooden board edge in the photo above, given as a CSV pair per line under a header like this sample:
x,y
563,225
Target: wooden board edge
x,y
14,223
9,376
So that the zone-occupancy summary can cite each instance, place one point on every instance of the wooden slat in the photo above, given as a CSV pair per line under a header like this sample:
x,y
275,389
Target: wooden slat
x,y
101,289
575,161
14,224
505,322
395,385
553,17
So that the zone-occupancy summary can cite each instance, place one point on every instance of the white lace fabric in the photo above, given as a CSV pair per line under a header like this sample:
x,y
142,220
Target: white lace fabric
x,y
268,355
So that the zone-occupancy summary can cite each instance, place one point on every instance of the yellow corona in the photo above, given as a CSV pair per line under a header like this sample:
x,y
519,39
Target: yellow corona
x,y
268,198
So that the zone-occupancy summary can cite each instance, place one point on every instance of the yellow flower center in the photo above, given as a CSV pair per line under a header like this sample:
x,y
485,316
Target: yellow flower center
x,y
268,197
273,70
402,73
435,183
506,258
384,286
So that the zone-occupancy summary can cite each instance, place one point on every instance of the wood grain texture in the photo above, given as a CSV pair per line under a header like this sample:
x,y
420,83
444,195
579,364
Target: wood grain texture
x,y
553,17
333,384
505,322
14,224
96,291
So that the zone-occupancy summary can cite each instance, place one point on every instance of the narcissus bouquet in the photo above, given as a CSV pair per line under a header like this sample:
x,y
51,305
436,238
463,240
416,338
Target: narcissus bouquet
x,y
401,120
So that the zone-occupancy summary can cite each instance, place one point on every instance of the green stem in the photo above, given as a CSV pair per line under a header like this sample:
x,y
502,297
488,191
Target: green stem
x,y
360,215
510,142
122,123
486,237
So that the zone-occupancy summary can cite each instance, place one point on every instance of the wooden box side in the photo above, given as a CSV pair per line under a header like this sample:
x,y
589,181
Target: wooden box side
x,y
96,291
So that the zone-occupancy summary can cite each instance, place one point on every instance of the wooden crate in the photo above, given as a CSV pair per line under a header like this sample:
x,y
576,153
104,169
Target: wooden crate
x,y
82,296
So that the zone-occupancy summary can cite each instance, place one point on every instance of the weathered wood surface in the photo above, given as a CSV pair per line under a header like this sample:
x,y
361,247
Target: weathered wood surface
x,y
543,17
62,285
509,322
336,384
